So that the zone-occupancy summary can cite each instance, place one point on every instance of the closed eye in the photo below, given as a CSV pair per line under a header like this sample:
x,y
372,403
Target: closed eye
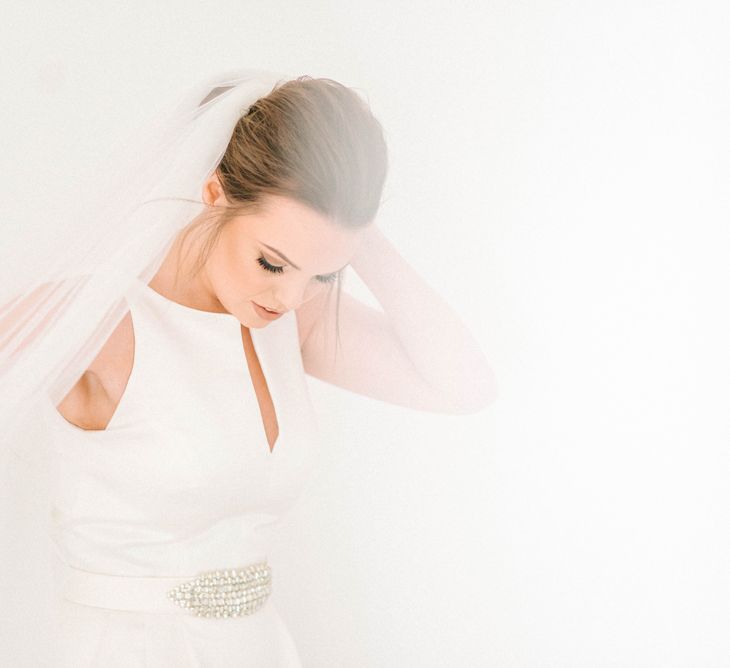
x,y
276,269
327,278
269,267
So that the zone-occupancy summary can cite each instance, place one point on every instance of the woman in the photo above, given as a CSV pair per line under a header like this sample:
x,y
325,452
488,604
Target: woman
x,y
169,358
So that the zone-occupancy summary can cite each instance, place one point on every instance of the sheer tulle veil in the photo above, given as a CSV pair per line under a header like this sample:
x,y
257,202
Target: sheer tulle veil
x,y
56,314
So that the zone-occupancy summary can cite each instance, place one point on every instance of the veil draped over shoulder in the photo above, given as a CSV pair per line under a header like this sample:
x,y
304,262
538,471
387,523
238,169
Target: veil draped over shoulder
x,y
56,314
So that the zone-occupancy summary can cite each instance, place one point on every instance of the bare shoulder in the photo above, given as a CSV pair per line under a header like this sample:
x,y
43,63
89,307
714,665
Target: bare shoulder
x,y
81,406
91,402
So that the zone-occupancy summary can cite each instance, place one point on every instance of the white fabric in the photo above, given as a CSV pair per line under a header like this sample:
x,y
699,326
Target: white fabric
x,y
57,312
181,481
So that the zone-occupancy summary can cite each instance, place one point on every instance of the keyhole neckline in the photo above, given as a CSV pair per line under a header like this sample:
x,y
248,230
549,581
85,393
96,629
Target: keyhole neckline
x,y
261,355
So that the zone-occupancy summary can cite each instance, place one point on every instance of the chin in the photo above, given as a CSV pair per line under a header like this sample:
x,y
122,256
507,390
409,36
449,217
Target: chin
x,y
254,323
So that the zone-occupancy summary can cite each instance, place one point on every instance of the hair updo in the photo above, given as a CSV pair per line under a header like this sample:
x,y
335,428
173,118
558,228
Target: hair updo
x,y
313,140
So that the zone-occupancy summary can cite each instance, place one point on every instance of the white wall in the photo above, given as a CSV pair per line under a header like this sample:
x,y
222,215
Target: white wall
x,y
559,174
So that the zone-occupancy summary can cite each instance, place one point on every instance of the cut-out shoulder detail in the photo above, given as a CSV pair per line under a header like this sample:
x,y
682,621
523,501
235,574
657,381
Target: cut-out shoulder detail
x,y
102,402
94,400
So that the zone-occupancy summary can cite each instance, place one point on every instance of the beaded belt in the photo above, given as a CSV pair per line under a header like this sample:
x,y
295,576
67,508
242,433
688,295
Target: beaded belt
x,y
220,593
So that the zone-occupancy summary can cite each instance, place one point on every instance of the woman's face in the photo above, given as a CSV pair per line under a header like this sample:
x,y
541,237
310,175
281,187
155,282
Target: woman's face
x,y
277,258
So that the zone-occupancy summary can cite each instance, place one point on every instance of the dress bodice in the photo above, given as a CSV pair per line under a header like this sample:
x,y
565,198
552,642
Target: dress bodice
x,y
183,477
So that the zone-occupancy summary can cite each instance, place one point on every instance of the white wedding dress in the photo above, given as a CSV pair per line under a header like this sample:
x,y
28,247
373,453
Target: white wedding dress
x,y
181,482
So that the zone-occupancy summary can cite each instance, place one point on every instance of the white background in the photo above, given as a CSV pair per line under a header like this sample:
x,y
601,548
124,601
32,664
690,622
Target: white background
x,y
559,173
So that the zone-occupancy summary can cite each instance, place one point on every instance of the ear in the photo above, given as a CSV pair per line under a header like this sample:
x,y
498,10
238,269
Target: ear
x,y
213,191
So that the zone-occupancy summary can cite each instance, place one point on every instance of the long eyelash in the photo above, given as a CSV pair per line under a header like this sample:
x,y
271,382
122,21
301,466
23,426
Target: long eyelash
x,y
269,267
329,278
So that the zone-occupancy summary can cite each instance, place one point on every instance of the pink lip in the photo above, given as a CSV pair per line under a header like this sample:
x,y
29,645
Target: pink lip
x,y
264,313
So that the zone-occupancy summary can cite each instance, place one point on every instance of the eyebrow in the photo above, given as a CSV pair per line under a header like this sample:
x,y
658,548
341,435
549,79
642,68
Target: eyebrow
x,y
287,260
280,254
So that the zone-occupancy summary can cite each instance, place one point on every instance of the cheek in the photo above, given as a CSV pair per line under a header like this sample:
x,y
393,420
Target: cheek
x,y
236,275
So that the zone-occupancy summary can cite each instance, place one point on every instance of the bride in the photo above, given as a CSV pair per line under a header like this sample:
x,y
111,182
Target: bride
x,y
164,357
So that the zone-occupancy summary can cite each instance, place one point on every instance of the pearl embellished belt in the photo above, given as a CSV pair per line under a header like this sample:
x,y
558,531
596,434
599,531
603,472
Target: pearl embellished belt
x,y
221,593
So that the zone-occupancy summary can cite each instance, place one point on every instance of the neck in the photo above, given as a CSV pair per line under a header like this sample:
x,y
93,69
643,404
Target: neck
x,y
175,278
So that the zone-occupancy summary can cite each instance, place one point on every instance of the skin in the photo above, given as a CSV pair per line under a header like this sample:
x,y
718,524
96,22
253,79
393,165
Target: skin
x,y
229,281
383,353
232,277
